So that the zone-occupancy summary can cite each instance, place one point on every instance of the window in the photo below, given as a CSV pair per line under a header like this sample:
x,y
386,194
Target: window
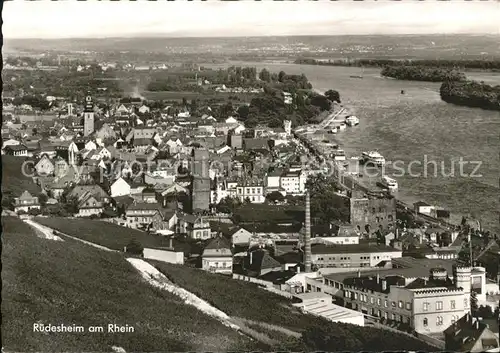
x,y
400,304
426,322
393,316
439,305
372,300
355,296
379,301
393,304
408,306
439,321
253,190
452,304
239,190
426,306
385,303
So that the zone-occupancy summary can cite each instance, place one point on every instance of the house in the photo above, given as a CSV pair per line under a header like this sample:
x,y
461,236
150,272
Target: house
x,y
26,202
259,262
144,216
16,150
252,190
10,142
103,153
147,195
294,182
469,334
95,190
217,256
44,166
194,226
120,188
241,237
88,205
422,207
144,109
105,132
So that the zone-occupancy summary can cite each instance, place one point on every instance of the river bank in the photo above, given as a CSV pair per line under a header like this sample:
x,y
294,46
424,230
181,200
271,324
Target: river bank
x,y
417,127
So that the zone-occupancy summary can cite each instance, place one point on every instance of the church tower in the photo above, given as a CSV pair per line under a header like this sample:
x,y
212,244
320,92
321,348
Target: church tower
x,y
88,116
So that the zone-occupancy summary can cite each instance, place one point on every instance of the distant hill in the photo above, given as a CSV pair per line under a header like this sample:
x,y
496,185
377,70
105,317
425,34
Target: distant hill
x,y
404,46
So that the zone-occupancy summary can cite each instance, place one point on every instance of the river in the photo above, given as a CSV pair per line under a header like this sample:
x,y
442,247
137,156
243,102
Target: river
x,y
418,127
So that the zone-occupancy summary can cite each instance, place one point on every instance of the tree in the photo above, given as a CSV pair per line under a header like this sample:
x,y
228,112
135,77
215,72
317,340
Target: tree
x,y
275,196
42,198
134,247
473,303
34,212
281,76
333,95
321,101
275,122
228,205
265,75
243,112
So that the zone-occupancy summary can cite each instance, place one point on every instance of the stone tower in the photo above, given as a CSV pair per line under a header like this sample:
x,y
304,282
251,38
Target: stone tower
x,y
462,277
88,116
200,194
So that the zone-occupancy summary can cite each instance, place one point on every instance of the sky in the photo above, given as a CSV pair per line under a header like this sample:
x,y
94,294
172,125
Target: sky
x,y
91,18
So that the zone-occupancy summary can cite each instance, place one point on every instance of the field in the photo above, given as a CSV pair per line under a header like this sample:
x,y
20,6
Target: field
x,y
67,282
13,180
272,314
102,233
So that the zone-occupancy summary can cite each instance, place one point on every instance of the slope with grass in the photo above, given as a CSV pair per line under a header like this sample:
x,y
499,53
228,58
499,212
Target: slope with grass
x,y
14,181
102,233
273,315
66,282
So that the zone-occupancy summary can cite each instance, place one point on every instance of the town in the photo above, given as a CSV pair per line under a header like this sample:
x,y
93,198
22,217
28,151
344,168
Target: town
x,y
208,187
227,177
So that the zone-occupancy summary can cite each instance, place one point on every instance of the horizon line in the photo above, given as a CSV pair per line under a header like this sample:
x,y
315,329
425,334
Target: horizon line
x,y
257,36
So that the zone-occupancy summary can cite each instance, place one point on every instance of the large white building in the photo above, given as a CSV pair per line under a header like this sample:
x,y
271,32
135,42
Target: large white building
x,y
427,303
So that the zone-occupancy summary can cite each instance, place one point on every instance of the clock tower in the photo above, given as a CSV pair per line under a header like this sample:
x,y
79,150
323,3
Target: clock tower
x,y
88,116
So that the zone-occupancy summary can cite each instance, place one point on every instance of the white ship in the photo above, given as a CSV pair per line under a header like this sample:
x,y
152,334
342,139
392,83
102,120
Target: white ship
x,y
373,157
389,183
342,126
352,120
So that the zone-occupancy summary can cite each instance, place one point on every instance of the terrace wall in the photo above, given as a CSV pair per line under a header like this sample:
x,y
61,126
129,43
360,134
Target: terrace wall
x,y
164,255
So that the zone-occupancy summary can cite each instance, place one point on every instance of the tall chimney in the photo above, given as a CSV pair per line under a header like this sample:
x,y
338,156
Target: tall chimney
x,y
170,245
307,236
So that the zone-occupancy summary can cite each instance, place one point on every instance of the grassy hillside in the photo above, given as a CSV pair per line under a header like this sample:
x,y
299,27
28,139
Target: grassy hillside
x,y
246,301
13,180
68,283
103,233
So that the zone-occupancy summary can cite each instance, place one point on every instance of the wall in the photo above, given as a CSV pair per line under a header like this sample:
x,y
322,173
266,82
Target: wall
x,y
375,213
164,255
